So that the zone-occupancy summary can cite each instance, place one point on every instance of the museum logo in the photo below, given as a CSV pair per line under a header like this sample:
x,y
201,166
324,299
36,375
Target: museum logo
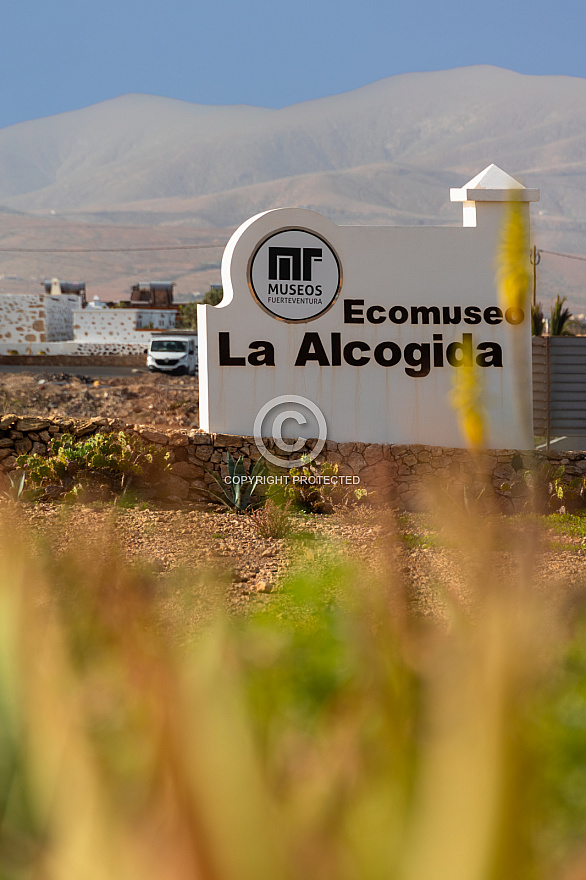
x,y
295,275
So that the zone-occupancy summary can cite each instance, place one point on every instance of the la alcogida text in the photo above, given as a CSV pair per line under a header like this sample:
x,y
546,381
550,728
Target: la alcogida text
x,y
331,350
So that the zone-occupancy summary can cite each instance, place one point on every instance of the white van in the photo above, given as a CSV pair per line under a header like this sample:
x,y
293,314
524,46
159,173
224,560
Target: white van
x,y
173,352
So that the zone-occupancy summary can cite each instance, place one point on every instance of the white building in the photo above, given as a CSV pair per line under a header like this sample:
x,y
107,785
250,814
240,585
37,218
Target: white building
x,y
48,324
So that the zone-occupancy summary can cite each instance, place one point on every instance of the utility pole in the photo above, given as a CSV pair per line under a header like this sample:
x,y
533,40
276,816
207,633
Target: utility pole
x,y
535,257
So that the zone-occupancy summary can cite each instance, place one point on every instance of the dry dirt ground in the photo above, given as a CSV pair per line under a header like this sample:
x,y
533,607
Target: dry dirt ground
x,y
195,554
143,398
201,545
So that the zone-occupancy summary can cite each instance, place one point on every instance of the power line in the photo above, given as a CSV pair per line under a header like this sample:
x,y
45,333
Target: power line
x,y
179,247
186,247
557,254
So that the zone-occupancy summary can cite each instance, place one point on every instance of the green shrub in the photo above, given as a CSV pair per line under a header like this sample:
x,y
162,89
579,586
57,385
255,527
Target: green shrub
x,y
99,466
187,315
547,489
313,488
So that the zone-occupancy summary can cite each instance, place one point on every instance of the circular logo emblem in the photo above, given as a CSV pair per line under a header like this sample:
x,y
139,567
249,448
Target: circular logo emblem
x,y
295,275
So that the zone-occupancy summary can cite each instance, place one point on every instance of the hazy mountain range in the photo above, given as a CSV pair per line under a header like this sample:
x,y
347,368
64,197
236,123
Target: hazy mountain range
x,y
383,154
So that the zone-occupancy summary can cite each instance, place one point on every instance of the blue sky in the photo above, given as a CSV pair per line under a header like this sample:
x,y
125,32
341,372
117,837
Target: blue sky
x,y
66,54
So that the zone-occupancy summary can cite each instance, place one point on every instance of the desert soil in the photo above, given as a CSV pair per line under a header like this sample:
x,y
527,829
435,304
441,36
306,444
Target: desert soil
x,y
203,545
196,554
143,398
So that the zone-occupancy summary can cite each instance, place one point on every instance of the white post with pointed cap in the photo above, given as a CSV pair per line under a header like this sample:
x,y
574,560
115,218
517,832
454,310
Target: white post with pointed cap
x,y
482,194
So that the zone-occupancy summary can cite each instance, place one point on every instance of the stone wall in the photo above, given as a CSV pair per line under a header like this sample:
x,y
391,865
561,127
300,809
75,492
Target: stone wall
x,y
397,474
81,350
77,350
42,324
35,318
125,326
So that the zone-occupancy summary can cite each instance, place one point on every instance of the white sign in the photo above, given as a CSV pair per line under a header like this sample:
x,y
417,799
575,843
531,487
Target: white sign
x,y
367,323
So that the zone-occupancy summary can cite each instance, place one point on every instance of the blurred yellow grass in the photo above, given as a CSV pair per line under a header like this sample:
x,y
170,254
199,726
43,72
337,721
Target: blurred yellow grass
x,y
513,266
334,735
512,278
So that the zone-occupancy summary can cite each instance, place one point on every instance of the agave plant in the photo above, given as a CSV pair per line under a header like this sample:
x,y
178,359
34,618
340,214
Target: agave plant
x,y
14,488
237,487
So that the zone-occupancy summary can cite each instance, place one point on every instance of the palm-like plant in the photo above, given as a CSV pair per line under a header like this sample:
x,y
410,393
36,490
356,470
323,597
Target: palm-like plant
x,y
560,318
537,320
